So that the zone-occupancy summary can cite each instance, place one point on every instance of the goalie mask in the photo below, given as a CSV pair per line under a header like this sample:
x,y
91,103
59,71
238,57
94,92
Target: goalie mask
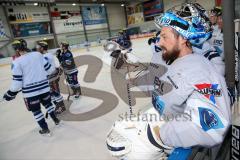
x,y
190,21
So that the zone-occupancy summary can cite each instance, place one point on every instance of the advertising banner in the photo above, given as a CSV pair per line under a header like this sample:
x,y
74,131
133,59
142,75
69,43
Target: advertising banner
x,y
152,8
94,17
73,24
135,14
67,21
135,18
26,17
31,29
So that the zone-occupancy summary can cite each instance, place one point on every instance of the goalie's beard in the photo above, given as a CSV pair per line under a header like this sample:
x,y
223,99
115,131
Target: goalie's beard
x,y
170,55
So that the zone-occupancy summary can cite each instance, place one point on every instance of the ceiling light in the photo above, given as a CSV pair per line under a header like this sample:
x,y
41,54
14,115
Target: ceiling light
x,y
74,4
35,4
102,4
122,5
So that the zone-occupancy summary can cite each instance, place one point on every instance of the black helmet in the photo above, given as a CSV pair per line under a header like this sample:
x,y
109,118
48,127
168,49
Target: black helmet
x,y
20,44
43,44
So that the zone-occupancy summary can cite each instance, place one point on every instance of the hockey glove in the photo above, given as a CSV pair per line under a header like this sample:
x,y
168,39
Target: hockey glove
x,y
157,103
59,71
58,54
9,95
151,40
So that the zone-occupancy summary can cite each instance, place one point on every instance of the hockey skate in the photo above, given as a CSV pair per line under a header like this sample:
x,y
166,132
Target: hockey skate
x,y
56,121
45,132
77,92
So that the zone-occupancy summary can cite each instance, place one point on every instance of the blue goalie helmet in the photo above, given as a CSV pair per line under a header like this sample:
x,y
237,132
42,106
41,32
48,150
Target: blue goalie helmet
x,y
190,21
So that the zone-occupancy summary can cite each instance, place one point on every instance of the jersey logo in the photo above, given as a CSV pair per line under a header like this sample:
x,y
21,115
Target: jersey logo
x,y
210,91
209,119
217,42
68,54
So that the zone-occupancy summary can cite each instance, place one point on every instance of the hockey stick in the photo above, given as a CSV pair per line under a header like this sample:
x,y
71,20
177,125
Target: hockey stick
x,y
69,93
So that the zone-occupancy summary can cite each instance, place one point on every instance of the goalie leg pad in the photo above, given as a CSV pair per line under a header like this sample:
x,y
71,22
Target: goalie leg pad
x,y
117,144
124,141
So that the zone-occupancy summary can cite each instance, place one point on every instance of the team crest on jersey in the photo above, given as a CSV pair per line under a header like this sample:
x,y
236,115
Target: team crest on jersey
x,y
68,54
209,119
210,91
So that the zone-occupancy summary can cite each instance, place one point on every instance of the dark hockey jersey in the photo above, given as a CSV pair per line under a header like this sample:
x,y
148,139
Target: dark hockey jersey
x,y
67,62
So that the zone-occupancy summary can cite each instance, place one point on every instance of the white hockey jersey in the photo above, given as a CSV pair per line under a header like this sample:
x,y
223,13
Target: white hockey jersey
x,y
192,87
217,41
30,74
55,74
213,55
50,58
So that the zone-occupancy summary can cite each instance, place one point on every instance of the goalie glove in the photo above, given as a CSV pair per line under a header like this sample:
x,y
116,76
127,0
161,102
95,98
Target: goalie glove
x,y
9,95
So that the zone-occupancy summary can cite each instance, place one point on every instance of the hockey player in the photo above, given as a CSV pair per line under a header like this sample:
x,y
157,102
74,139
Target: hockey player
x,y
213,15
30,72
126,35
66,60
56,96
17,53
217,35
124,40
191,86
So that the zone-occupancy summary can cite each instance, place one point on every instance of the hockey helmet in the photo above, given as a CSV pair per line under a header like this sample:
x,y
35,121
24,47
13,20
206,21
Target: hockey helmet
x,y
43,44
216,11
65,44
20,45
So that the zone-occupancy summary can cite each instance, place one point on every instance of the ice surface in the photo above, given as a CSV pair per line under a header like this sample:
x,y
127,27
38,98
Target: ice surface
x,y
74,140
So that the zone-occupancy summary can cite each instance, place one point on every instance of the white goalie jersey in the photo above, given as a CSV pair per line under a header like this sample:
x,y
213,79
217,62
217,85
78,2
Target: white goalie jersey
x,y
30,74
192,87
